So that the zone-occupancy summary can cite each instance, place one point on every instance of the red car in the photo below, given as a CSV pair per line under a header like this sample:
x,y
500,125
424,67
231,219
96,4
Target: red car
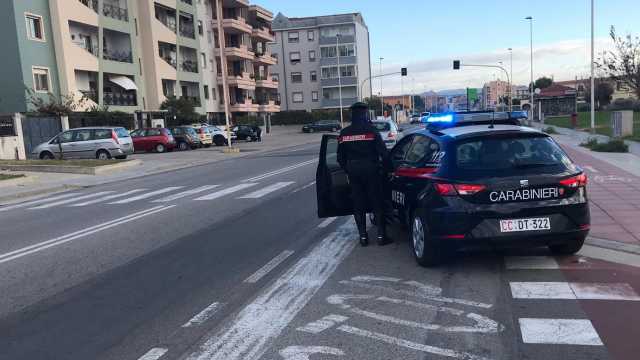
x,y
153,139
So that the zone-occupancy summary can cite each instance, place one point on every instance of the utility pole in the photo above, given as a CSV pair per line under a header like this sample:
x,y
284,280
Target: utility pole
x,y
381,96
339,79
532,86
223,65
511,79
593,80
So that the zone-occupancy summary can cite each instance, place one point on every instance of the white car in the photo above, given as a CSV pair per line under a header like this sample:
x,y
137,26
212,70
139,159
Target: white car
x,y
389,131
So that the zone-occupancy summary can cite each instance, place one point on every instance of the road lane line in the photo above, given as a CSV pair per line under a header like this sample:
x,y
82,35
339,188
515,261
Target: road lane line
x,y
559,332
35,202
327,222
186,193
250,334
79,234
269,189
107,198
147,195
203,315
409,344
304,187
591,168
530,263
225,192
280,171
323,324
68,201
263,271
573,291
154,354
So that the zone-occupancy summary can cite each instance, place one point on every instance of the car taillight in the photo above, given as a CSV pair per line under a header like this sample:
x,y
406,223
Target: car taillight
x,y
114,136
458,189
576,181
416,172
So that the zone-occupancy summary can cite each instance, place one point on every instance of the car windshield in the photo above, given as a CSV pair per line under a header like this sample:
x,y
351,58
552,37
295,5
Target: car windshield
x,y
381,126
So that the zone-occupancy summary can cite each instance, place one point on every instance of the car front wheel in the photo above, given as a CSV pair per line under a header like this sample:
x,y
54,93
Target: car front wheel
x,y
570,247
103,155
160,148
427,251
183,146
47,156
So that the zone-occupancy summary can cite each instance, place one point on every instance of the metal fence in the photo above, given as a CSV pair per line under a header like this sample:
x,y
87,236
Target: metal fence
x,y
7,127
77,120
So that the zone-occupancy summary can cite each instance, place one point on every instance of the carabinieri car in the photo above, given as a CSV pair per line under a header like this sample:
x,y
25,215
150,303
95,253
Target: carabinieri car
x,y
470,179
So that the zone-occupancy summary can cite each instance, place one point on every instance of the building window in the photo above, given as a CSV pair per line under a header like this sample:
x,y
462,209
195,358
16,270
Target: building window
x,y
274,55
200,28
275,77
41,81
314,76
294,37
314,96
311,35
298,97
312,55
35,28
296,77
328,52
206,92
294,57
348,71
213,94
204,60
330,72
347,50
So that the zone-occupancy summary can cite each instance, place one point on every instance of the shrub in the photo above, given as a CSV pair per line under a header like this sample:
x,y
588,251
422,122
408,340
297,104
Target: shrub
x,y
615,146
550,130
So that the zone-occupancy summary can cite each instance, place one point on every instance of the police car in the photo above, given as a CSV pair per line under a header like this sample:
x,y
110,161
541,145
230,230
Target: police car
x,y
470,179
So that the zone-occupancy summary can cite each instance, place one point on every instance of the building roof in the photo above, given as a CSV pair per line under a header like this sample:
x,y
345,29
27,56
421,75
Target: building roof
x,y
281,22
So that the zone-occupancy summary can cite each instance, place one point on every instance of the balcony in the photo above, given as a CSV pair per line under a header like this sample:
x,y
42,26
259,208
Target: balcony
x,y
344,81
266,58
237,52
115,12
264,33
120,99
270,106
334,103
266,82
90,94
188,31
194,99
244,105
261,13
237,25
167,17
91,4
189,66
241,80
119,56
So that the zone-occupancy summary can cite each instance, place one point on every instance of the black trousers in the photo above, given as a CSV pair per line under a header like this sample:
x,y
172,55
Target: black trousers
x,y
366,189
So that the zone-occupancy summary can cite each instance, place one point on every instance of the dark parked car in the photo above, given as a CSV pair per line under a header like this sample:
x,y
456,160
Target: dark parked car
x,y
323,125
246,132
186,137
153,139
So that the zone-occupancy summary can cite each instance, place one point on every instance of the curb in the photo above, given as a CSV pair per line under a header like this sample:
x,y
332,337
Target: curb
x,y
613,245
25,179
70,169
35,193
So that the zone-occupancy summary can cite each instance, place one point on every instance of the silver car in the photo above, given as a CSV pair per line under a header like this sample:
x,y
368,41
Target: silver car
x,y
101,143
389,131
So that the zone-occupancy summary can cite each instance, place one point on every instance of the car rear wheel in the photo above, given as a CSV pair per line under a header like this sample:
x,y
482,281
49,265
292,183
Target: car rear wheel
x,y
426,250
160,148
103,155
46,156
219,140
183,146
571,247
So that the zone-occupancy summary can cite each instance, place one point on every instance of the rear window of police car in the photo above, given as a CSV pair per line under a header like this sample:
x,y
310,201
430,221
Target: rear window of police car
x,y
511,155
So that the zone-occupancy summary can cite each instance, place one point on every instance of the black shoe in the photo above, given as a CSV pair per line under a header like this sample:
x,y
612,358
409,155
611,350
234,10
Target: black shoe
x,y
383,240
364,241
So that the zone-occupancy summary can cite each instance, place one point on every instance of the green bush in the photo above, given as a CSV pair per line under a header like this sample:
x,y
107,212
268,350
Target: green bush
x,y
614,146
550,130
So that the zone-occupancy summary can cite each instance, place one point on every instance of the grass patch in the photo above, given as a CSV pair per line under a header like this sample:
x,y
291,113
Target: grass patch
x,y
10,176
615,146
83,163
603,123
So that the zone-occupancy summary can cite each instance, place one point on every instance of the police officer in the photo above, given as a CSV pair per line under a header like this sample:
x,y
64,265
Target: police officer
x,y
363,155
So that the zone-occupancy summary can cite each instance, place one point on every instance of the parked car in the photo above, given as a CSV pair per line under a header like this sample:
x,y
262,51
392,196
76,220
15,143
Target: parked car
x,y
416,119
246,132
153,139
322,125
389,131
186,137
219,137
424,117
87,143
204,134
223,128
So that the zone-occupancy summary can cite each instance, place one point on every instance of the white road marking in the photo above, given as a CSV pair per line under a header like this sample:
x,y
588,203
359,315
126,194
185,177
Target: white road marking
x,y
78,234
251,332
280,171
323,324
68,201
303,188
154,354
327,222
35,202
203,316
559,332
147,195
618,257
225,192
591,168
409,344
107,198
186,193
530,263
269,189
263,271
573,291
305,352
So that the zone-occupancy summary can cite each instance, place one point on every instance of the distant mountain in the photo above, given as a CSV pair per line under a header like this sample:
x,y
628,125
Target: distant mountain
x,y
452,92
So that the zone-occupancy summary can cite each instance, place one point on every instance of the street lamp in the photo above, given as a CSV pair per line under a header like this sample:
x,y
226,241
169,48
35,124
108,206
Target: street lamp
x,y
593,89
530,18
339,79
381,96
511,77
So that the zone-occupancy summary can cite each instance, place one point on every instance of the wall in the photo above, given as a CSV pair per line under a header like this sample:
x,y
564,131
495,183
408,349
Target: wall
x,y
9,144
364,59
10,72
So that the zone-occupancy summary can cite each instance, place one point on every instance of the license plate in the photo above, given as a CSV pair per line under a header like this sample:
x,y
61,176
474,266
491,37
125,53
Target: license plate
x,y
532,224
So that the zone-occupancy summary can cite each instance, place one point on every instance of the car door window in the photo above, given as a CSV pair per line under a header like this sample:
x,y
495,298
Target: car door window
x,y
66,137
424,150
102,134
332,153
81,135
400,151
153,132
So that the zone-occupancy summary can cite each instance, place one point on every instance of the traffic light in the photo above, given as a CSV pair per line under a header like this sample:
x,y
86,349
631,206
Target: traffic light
x,y
456,64
403,71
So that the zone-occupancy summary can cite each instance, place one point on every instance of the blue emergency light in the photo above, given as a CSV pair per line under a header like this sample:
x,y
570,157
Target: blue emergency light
x,y
447,118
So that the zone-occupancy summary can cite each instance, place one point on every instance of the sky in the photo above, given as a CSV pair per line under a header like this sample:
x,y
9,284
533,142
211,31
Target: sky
x,y
426,36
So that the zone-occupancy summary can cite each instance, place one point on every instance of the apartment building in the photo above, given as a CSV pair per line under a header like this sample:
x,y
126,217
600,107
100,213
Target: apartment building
x,y
131,55
317,55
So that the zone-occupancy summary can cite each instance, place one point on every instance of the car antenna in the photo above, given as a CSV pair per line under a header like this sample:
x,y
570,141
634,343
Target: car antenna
x,y
493,119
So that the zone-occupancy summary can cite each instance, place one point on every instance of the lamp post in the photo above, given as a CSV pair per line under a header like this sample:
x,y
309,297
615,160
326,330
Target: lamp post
x,y
381,95
339,79
511,77
593,89
530,18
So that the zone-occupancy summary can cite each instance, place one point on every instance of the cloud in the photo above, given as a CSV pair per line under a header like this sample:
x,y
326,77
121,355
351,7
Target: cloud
x,y
561,60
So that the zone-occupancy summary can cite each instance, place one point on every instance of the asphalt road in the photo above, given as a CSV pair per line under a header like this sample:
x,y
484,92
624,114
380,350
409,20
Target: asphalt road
x,y
229,261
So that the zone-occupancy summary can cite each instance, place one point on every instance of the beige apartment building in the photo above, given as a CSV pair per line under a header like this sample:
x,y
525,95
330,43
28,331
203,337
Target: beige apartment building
x,y
131,55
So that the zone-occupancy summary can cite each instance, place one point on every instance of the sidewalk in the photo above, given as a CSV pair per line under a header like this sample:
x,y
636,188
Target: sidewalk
x,y
45,183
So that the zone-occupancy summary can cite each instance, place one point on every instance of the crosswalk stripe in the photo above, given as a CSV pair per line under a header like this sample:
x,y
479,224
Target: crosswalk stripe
x,y
147,195
186,193
107,198
68,201
573,291
154,354
530,263
559,332
35,202
269,189
224,192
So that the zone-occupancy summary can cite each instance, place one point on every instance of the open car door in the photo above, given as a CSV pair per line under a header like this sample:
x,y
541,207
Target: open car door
x,y
332,185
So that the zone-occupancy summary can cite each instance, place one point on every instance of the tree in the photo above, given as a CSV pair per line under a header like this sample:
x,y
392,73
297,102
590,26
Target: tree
x,y
603,94
418,103
623,63
375,104
516,102
543,82
182,109
63,105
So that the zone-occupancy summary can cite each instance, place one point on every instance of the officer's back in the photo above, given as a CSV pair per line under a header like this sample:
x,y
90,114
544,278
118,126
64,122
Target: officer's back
x,y
360,142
